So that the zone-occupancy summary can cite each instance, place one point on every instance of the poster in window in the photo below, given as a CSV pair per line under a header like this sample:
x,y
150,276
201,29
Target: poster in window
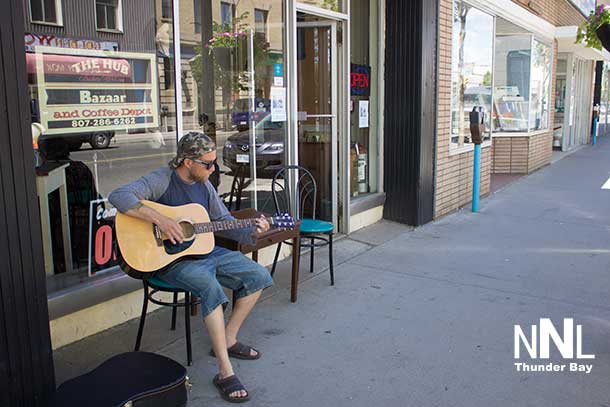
x,y
102,239
88,91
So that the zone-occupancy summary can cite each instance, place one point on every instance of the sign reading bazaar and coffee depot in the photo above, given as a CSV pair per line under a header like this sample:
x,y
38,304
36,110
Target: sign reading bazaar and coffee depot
x,y
86,91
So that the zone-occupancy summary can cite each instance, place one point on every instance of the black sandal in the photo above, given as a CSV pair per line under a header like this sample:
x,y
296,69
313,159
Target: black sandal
x,y
240,351
230,385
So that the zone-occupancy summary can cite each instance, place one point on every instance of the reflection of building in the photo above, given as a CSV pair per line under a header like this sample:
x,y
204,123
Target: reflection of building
x,y
196,30
79,31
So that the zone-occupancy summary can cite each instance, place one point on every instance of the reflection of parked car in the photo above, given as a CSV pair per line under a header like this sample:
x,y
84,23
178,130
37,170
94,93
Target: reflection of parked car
x,y
269,148
99,139
240,115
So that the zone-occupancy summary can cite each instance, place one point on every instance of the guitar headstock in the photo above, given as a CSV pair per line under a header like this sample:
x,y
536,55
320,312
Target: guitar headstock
x,y
283,221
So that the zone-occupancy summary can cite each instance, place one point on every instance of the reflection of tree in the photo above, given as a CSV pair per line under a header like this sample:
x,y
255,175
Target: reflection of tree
x,y
330,5
487,79
460,14
226,47
542,60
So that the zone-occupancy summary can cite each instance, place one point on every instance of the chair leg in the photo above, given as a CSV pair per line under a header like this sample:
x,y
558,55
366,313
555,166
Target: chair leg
x,y
142,319
277,255
187,324
174,309
330,258
311,256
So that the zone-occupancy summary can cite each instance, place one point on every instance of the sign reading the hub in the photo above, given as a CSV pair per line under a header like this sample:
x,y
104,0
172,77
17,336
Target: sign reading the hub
x,y
87,91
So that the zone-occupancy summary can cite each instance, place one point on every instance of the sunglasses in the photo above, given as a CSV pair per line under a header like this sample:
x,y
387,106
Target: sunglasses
x,y
207,165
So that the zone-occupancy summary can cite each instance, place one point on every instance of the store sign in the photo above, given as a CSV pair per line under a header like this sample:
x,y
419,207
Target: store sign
x,y
35,40
87,91
360,80
102,240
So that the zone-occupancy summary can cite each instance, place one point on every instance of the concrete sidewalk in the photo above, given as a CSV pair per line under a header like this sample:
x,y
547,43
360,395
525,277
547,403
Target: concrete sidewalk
x,y
424,317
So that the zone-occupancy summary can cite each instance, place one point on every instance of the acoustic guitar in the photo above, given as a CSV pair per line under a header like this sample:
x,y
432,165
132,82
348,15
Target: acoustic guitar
x,y
145,249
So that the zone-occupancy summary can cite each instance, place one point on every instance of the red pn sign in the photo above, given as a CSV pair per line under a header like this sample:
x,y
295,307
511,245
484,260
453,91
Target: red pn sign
x,y
360,80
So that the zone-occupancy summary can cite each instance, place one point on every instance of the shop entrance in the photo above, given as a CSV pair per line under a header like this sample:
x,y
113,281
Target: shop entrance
x,y
316,86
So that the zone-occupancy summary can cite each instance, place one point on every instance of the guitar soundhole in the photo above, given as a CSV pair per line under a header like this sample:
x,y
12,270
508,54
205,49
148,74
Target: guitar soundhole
x,y
188,231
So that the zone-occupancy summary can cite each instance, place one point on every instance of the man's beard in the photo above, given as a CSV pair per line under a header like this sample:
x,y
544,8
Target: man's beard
x,y
202,178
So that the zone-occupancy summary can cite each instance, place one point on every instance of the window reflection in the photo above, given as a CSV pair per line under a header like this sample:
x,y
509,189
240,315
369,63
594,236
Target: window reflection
x,y
512,83
541,81
103,114
473,35
232,67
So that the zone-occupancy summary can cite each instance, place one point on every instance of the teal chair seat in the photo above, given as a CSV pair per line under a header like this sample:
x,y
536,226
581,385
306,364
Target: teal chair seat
x,y
161,283
315,226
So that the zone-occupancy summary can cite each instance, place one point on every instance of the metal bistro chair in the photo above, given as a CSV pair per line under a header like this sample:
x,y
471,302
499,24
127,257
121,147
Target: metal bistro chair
x,y
318,232
154,285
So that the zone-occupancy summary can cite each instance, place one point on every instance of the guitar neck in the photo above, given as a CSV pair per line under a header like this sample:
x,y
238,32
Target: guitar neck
x,y
219,226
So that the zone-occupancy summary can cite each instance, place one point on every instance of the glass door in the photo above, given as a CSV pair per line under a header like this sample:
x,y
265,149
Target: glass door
x,y
316,61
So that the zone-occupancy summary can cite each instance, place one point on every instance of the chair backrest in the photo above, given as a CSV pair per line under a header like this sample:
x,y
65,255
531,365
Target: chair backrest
x,y
306,191
237,187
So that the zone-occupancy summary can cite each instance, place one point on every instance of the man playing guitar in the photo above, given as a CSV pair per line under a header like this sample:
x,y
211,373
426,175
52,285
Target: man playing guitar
x,y
186,181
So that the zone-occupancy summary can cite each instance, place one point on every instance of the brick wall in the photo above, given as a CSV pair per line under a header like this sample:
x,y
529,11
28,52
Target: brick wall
x,y
510,155
521,155
556,12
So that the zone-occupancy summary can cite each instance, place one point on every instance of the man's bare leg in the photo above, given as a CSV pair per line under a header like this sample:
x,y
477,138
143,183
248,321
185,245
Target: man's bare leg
x,y
242,309
215,324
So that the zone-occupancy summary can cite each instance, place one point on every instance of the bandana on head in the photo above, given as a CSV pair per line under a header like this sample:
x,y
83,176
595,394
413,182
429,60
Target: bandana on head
x,y
192,145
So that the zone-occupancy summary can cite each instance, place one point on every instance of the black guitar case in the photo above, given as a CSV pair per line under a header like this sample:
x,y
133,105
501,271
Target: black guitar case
x,y
138,379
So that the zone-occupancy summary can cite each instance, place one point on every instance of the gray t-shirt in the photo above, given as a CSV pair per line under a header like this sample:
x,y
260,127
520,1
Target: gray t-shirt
x,y
166,187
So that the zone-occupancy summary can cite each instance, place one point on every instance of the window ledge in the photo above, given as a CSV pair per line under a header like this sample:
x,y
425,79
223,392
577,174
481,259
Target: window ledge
x,y
530,134
467,148
109,31
47,23
366,202
91,293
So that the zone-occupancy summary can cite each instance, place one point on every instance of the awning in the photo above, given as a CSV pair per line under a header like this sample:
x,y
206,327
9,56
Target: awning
x,y
54,64
566,37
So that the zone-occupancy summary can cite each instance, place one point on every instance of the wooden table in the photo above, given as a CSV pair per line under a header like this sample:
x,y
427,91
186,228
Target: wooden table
x,y
269,238
50,177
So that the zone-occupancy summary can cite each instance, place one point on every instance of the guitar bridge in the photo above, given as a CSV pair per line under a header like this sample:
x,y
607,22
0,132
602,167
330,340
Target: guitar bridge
x,y
158,236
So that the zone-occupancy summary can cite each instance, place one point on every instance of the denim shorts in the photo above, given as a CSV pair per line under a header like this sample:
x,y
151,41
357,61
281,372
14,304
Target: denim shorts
x,y
222,267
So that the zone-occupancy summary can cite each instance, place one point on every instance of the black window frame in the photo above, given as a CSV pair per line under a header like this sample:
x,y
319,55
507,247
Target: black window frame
x,y
166,9
222,14
197,16
264,23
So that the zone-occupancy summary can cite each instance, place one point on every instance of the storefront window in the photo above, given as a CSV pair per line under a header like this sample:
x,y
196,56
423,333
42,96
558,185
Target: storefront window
x,y
233,89
541,86
364,97
522,80
471,69
103,114
512,83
